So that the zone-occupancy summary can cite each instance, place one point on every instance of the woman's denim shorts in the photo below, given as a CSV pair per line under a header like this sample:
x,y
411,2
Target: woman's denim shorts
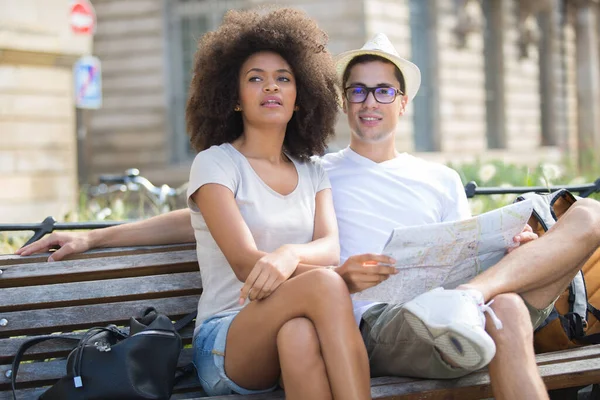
x,y
209,357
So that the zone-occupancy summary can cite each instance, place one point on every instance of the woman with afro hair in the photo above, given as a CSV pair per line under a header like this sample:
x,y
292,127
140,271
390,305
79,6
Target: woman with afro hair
x,y
262,102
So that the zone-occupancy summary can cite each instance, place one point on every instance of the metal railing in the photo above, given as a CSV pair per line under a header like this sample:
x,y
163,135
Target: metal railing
x,y
584,190
50,225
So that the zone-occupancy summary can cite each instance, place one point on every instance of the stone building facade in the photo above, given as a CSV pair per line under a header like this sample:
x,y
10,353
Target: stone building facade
x,y
500,76
38,146
502,79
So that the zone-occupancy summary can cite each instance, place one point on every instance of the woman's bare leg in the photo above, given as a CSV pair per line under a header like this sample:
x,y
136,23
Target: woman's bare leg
x,y
302,367
322,297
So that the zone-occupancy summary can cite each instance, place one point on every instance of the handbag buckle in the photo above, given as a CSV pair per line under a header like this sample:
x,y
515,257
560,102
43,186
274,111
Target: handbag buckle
x,y
102,346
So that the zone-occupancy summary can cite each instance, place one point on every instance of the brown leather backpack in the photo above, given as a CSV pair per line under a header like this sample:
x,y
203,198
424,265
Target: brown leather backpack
x,y
574,321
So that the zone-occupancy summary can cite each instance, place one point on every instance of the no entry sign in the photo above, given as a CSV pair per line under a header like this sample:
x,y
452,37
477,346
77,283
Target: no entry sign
x,y
82,17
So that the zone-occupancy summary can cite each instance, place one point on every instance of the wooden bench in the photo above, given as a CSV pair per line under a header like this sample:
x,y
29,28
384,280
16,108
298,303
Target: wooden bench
x,y
110,285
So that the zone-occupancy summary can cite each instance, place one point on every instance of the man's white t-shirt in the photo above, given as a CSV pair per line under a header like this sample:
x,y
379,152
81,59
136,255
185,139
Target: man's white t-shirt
x,y
371,199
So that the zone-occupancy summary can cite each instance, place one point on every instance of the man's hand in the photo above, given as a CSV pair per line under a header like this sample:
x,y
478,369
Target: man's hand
x,y
69,243
268,273
366,270
525,236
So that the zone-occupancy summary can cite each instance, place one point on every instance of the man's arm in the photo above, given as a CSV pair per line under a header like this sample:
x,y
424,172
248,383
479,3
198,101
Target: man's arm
x,y
171,228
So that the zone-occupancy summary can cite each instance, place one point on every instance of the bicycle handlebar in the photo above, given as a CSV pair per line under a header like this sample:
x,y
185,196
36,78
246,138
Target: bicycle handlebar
x,y
132,176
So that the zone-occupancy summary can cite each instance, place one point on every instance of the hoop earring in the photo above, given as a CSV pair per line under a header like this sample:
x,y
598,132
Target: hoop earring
x,y
237,108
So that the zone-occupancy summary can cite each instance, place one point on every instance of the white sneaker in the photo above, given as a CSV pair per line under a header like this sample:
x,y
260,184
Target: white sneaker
x,y
453,321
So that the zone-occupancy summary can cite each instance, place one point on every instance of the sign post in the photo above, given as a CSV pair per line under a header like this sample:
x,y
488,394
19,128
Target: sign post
x,y
87,74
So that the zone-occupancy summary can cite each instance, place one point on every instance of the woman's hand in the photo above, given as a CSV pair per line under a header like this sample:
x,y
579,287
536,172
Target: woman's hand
x,y
69,243
268,273
366,270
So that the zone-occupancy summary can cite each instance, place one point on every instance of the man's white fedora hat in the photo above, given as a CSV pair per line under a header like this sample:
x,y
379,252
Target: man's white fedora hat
x,y
381,46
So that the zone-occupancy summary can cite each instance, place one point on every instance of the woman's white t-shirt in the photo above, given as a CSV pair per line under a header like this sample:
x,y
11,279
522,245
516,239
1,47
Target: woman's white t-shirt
x,y
273,219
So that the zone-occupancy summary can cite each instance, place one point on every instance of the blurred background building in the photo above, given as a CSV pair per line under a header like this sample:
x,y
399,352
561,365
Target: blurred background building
x,y
517,80
38,145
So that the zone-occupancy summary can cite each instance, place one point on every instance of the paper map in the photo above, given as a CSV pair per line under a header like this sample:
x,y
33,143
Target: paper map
x,y
447,254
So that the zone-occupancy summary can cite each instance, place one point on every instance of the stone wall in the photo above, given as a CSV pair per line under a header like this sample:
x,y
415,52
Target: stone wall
x,y
131,128
38,160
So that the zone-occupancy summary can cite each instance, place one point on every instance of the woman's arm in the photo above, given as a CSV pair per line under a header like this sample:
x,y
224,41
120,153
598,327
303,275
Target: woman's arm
x,y
228,228
170,228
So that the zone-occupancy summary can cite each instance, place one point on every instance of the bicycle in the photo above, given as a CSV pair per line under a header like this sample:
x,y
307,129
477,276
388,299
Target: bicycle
x,y
116,195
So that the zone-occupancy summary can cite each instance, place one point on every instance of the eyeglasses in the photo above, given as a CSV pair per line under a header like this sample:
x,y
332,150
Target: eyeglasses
x,y
382,94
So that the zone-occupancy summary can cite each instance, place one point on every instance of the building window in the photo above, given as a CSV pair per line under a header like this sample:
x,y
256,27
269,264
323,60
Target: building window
x,y
187,21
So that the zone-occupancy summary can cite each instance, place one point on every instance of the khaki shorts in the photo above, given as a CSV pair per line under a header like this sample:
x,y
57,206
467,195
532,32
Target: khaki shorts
x,y
395,350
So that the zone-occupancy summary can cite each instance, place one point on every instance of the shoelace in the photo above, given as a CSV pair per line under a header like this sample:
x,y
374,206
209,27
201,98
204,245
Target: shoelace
x,y
486,308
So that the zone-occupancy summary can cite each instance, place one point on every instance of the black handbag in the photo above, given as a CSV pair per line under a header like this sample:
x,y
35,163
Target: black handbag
x,y
109,363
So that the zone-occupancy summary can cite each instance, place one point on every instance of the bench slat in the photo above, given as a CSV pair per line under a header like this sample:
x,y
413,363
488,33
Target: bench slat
x,y
580,353
23,393
477,385
41,373
99,268
35,393
66,319
56,348
571,374
554,359
473,386
9,259
92,292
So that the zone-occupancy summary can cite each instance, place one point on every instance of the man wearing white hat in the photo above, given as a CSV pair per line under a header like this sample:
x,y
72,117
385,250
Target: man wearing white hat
x,y
375,189
443,333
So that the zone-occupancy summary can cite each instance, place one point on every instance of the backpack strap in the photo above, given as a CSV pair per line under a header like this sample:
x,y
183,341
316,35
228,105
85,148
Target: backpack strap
x,y
595,312
545,206
590,339
578,296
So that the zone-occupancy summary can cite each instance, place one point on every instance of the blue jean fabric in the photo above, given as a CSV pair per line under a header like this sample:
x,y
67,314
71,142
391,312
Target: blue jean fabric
x,y
209,357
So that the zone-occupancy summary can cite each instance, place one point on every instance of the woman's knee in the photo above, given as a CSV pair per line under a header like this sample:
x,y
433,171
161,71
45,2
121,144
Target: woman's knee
x,y
297,341
325,285
516,322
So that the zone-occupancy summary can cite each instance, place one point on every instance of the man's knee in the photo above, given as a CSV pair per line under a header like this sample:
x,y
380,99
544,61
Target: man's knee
x,y
516,322
587,211
298,340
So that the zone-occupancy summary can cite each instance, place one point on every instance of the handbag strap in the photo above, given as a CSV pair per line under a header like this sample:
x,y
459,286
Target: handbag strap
x,y
27,345
188,369
185,321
